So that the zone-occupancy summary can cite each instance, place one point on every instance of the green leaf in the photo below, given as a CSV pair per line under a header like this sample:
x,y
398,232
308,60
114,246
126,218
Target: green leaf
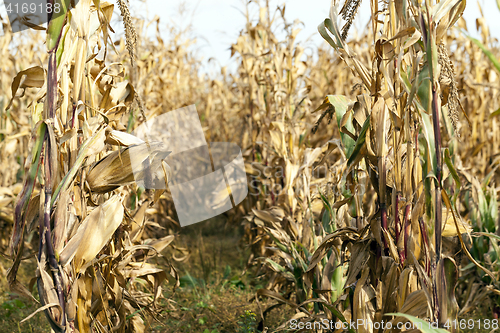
x,y
55,26
423,325
485,50
227,272
428,132
338,314
360,142
188,281
60,49
328,215
276,267
497,112
337,281
322,31
340,104
487,234
334,29
28,187
454,174
424,88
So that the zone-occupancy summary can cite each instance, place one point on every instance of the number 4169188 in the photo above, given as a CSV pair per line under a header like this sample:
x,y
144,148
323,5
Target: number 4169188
x,y
32,8
472,324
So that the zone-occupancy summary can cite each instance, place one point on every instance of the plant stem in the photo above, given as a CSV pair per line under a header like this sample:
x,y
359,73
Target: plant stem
x,y
397,225
51,86
383,207
439,166
49,168
406,231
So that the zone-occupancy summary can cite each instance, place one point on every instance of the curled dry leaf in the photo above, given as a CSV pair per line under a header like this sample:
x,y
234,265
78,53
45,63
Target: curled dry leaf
x,y
93,233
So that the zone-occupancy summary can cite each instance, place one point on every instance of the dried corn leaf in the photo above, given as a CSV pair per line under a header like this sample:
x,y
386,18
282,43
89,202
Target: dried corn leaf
x,y
93,233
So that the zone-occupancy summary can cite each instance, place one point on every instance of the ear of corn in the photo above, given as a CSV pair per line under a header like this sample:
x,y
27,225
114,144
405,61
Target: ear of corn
x,y
123,167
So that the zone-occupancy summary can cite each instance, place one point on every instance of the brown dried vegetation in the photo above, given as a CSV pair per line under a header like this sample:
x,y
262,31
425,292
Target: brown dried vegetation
x,y
361,204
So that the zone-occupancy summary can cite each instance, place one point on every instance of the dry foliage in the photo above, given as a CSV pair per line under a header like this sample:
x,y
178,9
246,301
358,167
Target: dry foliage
x,y
360,204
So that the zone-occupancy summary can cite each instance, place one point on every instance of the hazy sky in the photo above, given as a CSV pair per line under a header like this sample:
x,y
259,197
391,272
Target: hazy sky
x,y
219,21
